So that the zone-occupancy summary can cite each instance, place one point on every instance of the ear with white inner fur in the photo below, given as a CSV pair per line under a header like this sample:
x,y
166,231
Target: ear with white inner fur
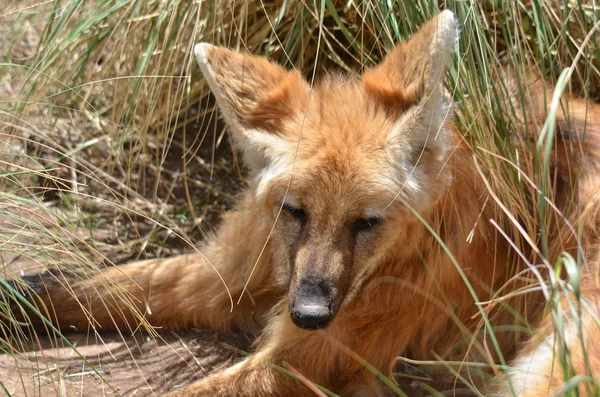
x,y
255,96
408,82
407,85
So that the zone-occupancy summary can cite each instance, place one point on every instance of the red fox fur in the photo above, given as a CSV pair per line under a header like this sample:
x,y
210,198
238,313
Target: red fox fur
x,y
334,251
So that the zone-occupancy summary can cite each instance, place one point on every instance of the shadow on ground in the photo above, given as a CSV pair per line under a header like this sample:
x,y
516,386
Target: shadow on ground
x,y
133,366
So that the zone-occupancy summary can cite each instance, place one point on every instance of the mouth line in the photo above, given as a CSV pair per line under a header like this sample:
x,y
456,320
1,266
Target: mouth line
x,y
317,328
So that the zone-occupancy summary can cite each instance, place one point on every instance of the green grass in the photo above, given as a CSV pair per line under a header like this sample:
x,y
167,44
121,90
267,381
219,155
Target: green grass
x,y
101,160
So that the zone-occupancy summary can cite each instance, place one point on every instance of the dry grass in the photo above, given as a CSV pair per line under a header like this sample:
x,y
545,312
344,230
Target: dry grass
x,y
110,149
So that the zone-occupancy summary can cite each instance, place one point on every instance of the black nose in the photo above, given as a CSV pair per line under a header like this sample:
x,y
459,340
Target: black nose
x,y
311,305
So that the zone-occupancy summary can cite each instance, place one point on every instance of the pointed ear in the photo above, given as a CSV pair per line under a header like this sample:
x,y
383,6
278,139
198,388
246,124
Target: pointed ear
x,y
256,97
407,85
414,69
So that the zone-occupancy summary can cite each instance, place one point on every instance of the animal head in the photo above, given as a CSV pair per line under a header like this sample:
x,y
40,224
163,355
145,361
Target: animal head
x,y
336,165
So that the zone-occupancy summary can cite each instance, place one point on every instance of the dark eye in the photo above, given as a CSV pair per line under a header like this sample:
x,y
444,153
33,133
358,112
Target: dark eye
x,y
297,213
364,224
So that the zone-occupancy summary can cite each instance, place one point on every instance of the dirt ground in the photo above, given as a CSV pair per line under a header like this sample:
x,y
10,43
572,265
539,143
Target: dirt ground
x,y
133,366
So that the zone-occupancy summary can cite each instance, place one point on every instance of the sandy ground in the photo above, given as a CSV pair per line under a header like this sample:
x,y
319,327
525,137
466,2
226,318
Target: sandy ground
x,y
133,366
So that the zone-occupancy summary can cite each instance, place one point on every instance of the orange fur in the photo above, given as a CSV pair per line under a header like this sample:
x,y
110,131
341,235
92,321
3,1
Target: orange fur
x,y
380,148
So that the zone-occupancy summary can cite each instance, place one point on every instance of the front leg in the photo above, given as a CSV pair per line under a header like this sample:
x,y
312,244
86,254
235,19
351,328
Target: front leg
x,y
264,375
254,376
320,356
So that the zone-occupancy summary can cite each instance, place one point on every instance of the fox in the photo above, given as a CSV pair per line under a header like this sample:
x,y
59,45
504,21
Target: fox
x,y
365,233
